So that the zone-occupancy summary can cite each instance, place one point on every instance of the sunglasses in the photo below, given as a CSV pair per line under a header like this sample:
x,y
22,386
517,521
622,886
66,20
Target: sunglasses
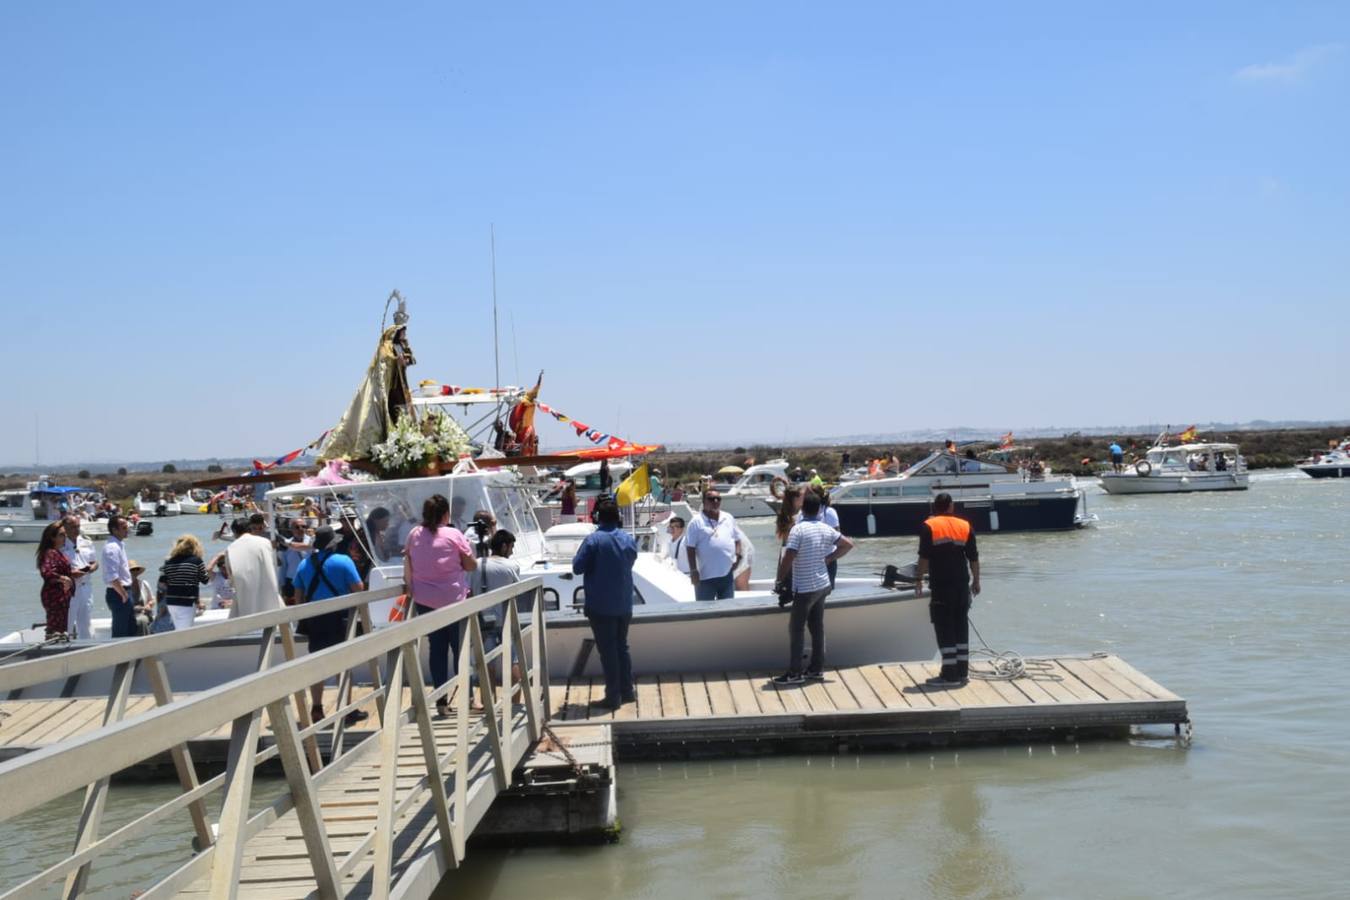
x,y
712,499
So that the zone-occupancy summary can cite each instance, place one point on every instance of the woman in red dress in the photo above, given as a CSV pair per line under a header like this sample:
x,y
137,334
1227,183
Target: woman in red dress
x,y
58,579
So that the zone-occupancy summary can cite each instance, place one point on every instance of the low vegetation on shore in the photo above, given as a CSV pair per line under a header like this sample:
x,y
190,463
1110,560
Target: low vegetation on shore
x,y
1073,453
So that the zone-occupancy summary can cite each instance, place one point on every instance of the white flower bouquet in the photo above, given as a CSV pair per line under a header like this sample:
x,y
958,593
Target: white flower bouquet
x,y
406,450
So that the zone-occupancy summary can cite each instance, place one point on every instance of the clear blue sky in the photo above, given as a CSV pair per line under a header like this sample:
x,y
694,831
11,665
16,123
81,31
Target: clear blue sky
x,y
714,222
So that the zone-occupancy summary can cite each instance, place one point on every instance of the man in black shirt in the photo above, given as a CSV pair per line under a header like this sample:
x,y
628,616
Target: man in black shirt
x,y
948,556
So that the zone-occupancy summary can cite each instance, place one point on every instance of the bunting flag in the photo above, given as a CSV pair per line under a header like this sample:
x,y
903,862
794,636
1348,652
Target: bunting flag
x,y
1006,441
1187,436
260,466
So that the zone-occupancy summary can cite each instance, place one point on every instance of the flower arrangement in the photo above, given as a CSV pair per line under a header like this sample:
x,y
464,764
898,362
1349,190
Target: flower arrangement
x,y
412,446
406,450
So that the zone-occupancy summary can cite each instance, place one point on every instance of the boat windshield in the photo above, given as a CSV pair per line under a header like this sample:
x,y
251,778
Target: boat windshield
x,y
940,463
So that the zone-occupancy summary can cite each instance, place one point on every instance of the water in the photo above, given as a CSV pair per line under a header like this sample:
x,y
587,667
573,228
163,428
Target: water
x,y
1235,601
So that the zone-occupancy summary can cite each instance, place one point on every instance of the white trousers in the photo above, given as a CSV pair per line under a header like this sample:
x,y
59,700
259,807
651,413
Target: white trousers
x,y
80,622
182,616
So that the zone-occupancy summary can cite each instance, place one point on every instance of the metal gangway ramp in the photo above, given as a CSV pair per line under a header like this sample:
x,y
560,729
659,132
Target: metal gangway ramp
x,y
387,817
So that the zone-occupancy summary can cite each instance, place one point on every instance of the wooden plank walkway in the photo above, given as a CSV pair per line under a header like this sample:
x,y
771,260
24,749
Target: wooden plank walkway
x,y
1058,694
878,705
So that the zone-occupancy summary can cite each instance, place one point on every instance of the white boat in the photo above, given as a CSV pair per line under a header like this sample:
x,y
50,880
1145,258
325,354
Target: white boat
x,y
194,502
993,495
670,632
751,494
586,478
161,506
1181,468
25,513
1333,463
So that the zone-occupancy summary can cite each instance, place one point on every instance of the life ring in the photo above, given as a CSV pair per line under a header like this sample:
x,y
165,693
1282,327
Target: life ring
x,y
1143,468
778,486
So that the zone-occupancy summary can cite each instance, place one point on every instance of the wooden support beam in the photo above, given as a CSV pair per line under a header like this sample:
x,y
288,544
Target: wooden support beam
x,y
306,799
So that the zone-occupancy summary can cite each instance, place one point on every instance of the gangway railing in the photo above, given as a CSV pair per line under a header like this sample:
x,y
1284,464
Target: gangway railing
x,y
506,725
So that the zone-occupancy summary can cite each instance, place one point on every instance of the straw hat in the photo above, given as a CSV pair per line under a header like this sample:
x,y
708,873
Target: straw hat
x,y
132,566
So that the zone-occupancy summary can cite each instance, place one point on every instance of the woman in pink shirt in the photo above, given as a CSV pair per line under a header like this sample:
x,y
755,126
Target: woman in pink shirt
x,y
436,564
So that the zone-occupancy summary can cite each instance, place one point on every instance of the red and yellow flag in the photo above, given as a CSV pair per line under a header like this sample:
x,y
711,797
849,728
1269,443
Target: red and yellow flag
x,y
1187,436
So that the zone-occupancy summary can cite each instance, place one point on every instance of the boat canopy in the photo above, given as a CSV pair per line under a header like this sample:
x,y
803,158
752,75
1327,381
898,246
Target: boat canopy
x,y
940,462
56,489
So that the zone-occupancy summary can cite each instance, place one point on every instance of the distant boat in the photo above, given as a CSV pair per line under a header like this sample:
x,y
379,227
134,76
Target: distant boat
x,y
1333,463
1181,469
25,513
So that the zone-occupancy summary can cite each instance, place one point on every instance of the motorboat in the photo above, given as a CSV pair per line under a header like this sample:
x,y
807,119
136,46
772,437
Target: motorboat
x,y
162,505
26,512
1180,469
670,632
195,502
991,492
752,493
1333,463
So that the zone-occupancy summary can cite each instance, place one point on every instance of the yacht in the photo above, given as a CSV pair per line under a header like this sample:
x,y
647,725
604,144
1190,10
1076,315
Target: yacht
x,y
1333,463
992,493
25,513
670,631
161,505
752,493
1180,469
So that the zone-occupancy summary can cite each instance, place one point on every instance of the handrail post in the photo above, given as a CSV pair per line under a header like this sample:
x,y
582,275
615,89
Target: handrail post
x,y
182,757
440,803
500,769
308,811
529,674
540,637
384,824
229,848
96,795
301,702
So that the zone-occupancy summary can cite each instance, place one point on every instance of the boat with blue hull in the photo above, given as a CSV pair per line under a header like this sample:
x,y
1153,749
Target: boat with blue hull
x,y
1333,463
992,494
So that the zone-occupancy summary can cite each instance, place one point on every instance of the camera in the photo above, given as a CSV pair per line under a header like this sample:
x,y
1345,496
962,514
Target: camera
x,y
481,529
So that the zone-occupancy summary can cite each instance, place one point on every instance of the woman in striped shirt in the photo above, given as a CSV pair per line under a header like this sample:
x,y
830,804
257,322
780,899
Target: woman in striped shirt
x,y
182,577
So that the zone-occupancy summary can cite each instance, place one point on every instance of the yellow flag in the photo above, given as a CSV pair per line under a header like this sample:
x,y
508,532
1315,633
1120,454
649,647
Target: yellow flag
x,y
634,487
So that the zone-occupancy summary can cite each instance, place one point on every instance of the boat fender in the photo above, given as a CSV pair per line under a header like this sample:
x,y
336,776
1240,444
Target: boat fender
x,y
871,524
778,486
1143,468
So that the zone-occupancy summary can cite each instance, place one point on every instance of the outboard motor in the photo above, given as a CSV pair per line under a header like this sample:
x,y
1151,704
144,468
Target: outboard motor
x,y
161,508
900,576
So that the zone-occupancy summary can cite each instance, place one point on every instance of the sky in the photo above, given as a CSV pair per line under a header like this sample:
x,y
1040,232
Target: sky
x,y
750,222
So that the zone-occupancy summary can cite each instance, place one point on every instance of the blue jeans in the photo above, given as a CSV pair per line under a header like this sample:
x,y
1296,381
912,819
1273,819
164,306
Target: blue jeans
x,y
443,645
123,614
611,640
723,588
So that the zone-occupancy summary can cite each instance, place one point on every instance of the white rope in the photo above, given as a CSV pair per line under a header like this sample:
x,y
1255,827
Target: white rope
x,y
1006,665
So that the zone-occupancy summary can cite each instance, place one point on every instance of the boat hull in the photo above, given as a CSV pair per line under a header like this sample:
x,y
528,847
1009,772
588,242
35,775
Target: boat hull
x,y
1174,484
30,531
1326,471
743,635
1057,512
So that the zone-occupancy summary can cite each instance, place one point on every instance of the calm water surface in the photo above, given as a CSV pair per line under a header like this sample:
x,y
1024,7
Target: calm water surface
x,y
1238,602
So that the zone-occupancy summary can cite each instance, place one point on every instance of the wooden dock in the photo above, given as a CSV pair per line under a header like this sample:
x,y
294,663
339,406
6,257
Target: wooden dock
x,y
878,706
883,705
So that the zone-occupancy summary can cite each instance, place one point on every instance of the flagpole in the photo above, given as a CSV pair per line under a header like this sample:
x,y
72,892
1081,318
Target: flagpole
x,y
496,347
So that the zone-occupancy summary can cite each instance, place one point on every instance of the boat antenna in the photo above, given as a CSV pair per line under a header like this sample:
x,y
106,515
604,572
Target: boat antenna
x,y
496,346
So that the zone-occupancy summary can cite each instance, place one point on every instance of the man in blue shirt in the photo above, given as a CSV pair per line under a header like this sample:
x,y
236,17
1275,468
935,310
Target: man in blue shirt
x,y
1117,456
323,575
605,559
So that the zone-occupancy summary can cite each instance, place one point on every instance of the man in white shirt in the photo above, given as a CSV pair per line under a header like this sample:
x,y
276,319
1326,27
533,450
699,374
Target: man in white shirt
x,y
299,546
830,516
675,528
117,578
79,551
713,547
253,571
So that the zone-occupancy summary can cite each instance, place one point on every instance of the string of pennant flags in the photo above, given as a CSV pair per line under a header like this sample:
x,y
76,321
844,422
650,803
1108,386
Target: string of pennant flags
x,y
594,435
260,466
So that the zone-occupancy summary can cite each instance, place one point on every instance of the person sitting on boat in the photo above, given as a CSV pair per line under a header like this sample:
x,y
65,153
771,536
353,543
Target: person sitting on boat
x,y
970,463
1220,462
675,528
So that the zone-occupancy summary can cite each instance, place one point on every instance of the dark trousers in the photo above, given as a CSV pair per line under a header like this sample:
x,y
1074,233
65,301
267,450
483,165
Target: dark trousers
x,y
832,567
808,613
442,647
723,588
948,610
123,615
611,640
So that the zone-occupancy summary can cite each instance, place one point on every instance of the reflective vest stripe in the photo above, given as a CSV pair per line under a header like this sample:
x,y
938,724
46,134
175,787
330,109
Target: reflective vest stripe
x,y
949,530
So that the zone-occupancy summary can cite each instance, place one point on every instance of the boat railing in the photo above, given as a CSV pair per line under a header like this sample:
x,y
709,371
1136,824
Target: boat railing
x,y
514,706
